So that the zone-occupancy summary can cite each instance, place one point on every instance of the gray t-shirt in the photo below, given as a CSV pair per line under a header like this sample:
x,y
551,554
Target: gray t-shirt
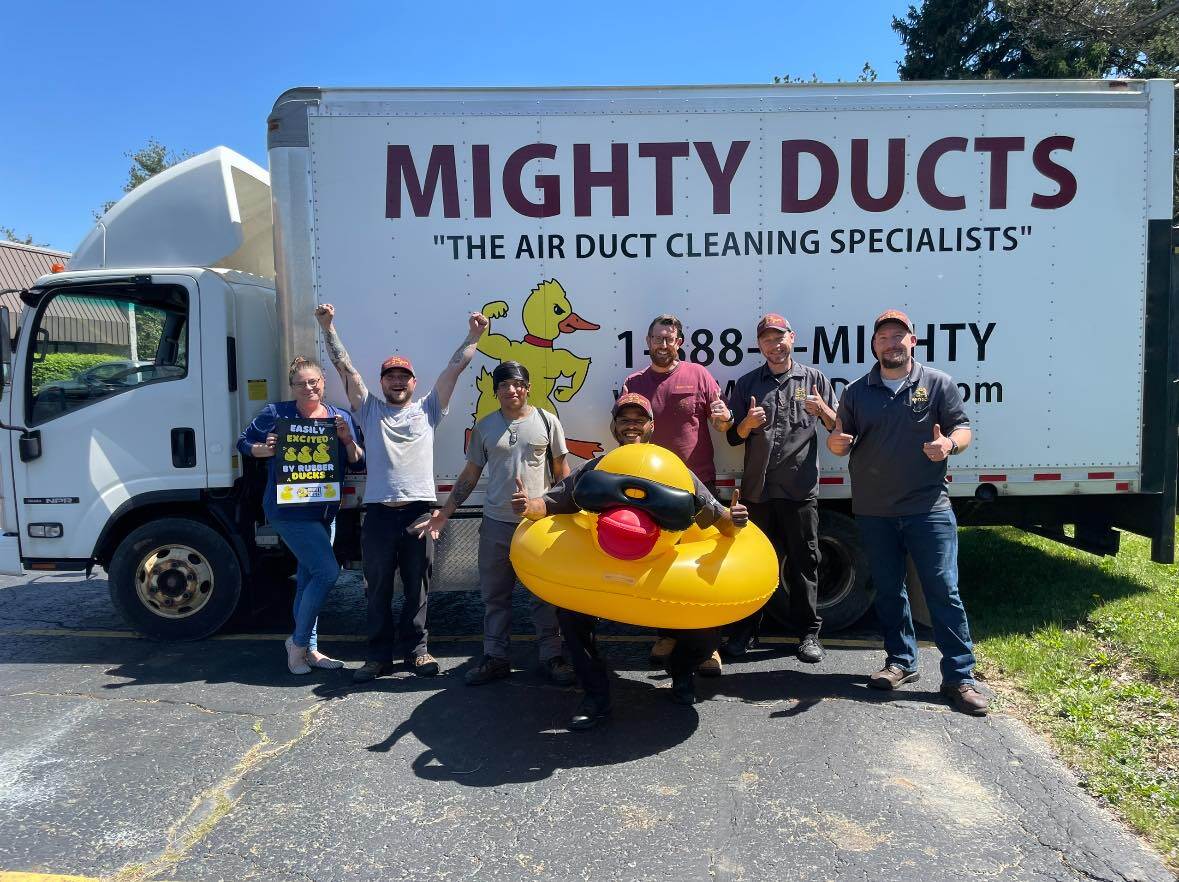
x,y
507,450
559,499
399,448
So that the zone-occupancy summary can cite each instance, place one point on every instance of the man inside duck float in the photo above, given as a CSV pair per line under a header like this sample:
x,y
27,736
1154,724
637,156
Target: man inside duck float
x,y
633,423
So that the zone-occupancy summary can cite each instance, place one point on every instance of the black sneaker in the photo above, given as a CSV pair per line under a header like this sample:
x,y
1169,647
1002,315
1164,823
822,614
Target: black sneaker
x,y
810,650
736,647
683,689
589,713
490,668
558,671
371,670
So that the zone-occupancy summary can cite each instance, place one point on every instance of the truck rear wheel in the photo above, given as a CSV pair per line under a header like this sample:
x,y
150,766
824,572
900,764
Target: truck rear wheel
x,y
175,579
844,592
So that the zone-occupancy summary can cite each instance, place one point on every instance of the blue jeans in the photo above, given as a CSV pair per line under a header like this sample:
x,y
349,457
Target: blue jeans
x,y
932,541
311,543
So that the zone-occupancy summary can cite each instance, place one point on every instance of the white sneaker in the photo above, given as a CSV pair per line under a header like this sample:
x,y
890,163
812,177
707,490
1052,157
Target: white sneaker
x,y
317,659
296,658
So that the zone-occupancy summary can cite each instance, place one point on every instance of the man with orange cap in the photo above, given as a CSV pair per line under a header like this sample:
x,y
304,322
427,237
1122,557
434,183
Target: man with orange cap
x,y
900,423
633,423
398,492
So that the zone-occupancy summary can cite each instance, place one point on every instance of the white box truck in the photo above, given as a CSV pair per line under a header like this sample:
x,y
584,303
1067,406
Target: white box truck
x,y
1024,225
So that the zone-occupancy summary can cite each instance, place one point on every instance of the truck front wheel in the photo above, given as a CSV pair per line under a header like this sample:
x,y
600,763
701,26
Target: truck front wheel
x,y
844,592
175,579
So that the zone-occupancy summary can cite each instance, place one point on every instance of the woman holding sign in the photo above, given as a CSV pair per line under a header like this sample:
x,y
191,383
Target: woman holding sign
x,y
307,442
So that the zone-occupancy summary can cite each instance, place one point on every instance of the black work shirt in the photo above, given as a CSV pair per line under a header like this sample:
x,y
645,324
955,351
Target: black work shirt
x,y
890,474
781,458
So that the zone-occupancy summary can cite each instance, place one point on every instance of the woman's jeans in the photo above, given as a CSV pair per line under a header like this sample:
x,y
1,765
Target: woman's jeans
x,y
932,541
311,543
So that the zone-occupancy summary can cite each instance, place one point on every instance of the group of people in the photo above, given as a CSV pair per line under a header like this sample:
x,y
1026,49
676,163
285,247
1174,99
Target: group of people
x,y
899,423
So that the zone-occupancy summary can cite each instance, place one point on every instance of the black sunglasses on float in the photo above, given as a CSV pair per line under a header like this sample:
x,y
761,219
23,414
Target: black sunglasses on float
x,y
670,507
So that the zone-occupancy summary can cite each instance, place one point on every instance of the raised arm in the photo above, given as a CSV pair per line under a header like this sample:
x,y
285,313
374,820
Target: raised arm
x,y
444,386
353,384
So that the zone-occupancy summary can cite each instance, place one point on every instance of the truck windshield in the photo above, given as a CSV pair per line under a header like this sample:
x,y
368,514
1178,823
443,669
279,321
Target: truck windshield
x,y
89,347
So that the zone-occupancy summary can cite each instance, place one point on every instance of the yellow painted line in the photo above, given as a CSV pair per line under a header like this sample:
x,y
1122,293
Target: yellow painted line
x,y
830,642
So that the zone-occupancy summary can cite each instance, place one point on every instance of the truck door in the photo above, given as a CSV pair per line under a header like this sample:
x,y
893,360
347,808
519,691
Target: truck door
x,y
110,378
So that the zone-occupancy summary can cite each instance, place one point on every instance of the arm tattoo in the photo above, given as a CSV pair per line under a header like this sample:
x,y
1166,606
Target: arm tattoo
x,y
462,489
343,362
464,353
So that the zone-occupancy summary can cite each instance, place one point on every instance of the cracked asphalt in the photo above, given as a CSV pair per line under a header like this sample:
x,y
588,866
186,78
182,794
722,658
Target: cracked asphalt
x,y
202,761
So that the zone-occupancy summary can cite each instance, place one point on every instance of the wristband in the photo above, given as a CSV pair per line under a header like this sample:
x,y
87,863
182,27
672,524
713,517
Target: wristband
x,y
953,447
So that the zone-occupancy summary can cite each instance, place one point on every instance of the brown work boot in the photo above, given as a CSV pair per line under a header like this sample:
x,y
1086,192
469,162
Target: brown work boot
x,y
892,676
662,651
710,667
966,699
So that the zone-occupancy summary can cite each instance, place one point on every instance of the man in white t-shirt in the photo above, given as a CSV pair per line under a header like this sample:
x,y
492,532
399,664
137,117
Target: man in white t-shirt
x,y
399,490
519,446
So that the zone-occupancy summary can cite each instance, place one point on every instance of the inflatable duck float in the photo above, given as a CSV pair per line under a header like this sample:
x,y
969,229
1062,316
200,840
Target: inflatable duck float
x,y
634,554
546,314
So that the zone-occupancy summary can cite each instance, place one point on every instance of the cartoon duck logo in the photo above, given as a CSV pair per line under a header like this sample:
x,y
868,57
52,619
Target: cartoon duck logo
x,y
546,315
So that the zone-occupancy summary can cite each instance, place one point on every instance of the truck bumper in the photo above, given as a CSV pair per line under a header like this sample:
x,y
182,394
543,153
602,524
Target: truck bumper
x,y
10,555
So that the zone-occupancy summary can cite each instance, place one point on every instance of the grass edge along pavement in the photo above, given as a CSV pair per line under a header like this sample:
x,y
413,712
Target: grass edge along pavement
x,y
1086,650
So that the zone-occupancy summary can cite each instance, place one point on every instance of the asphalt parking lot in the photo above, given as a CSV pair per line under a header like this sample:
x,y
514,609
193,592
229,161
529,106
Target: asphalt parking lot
x,y
202,761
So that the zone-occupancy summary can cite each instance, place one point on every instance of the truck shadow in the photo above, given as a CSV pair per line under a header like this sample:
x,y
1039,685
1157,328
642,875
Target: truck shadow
x,y
1011,588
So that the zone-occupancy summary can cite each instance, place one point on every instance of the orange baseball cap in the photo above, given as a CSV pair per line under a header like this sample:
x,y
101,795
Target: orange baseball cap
x,y
771,321
397,362
893,315
637,400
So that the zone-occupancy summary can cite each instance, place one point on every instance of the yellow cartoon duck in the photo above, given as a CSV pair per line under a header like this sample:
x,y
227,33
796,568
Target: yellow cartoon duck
x,y
634,554
546,314
321,453
289,456
304,454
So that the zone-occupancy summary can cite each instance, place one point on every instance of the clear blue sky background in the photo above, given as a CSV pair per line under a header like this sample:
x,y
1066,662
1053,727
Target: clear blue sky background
x,y
88,82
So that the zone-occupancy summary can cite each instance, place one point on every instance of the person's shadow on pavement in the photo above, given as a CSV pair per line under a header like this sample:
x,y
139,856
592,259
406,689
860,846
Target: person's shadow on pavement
x,y
514,731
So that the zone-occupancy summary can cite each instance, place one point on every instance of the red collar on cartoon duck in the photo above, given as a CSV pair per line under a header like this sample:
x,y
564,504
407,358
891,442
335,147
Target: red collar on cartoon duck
x,y
538,341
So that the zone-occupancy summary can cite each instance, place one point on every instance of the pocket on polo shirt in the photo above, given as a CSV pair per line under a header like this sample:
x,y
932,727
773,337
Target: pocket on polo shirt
x,y
681,401
536,453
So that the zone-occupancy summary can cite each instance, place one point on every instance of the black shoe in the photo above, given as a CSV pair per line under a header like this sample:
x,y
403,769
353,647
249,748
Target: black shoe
x,y
558,671
736,646
683,689
810,650
490,668
371,670
589,713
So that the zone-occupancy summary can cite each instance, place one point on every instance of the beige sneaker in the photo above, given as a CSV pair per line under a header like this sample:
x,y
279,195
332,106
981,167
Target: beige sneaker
x,y
317,659
296,658
710,667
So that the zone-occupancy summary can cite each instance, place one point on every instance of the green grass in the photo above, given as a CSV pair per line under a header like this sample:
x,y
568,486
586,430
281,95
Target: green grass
x,y
1090,648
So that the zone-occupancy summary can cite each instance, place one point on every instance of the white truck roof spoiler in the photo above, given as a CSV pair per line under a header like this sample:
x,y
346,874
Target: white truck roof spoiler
x,y
212,210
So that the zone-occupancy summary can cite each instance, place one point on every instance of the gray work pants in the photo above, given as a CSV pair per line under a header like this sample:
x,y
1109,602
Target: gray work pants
x,y
496,581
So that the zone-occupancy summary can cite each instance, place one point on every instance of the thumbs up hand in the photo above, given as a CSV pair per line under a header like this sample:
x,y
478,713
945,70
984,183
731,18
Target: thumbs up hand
x,y
814,403
718,412
755,419
839,442
738,512
519,498
939,448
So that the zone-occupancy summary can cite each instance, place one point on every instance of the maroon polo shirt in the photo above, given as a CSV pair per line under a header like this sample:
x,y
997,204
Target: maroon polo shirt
x,y
681,400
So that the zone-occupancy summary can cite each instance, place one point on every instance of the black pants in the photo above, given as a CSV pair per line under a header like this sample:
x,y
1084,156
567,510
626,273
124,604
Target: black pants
x,y
793,530
691,648
388,547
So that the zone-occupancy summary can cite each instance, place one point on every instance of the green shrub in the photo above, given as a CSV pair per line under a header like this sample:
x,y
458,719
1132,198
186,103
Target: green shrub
x,y
65,365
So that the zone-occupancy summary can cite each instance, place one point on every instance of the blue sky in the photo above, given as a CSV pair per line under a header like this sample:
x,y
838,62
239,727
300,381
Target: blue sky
x,y
89,82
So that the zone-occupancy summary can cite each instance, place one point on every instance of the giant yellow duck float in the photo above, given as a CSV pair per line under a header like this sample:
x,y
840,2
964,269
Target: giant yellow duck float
x,y
546,314
634,554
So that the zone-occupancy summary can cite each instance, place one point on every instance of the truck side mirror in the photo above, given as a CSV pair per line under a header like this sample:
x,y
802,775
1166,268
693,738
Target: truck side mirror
x,y
29,445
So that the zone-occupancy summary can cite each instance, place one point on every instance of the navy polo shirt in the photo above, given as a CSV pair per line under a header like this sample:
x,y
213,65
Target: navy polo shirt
x,y
890,474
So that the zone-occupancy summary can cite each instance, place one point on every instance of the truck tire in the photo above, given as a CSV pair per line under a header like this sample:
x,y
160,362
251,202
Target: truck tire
x,y
175,579
844,590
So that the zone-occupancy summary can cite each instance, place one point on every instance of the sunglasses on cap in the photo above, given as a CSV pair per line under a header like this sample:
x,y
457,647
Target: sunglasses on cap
x,y
669,507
